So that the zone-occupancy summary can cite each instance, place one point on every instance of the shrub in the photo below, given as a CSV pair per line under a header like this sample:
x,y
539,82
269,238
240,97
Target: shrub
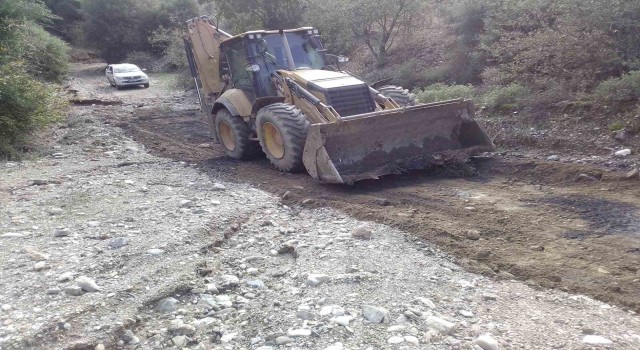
x,y
142,59
45,55
407,75
505,97
573,56
26,104
169,43
623,89
435,75
442,92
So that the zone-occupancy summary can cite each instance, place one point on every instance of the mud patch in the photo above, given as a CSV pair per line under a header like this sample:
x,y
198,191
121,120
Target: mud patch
x,y
605,217
97,102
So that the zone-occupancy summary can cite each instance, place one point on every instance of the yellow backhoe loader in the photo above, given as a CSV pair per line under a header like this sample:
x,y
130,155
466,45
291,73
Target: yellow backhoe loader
x,y
280,90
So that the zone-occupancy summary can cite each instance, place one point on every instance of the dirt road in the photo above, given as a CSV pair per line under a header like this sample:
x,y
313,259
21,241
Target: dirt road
x,y
552,224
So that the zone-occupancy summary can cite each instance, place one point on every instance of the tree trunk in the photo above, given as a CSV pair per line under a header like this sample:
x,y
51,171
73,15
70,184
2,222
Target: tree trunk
x,y
382,55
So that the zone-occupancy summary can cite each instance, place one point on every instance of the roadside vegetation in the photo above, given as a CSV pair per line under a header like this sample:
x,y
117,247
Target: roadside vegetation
x,y
32,61
531,56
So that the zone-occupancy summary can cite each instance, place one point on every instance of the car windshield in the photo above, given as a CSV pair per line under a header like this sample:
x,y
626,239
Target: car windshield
x,y
307,53
126,69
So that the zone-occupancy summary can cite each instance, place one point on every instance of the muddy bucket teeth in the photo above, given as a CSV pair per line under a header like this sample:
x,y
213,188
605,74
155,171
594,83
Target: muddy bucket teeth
x,y
389,142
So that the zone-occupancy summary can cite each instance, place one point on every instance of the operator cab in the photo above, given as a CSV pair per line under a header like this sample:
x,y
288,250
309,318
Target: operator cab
x,y
251,58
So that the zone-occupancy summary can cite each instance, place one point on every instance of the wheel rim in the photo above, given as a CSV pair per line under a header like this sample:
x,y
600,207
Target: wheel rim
x,y
273,140
227,136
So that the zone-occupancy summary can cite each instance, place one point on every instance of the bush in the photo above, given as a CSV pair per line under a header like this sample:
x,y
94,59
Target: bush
x,y
442,92
46,56
623,89
572,56
407,74
505,97
169,43
435,75
142,59
26,104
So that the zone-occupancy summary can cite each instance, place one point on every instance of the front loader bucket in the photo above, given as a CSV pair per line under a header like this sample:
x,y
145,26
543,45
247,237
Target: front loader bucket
x,y
369,145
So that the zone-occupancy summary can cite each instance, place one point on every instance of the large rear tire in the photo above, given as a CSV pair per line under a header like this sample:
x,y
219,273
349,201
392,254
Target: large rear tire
x,y
282,131
399,94
233,133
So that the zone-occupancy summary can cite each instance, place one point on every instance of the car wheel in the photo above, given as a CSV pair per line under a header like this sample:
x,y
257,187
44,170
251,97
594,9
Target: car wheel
x,y
118,87
146,86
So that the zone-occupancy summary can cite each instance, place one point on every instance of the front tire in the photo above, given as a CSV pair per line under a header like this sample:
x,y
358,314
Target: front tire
x,y
282,131
146,86
233,134
118,87
399,94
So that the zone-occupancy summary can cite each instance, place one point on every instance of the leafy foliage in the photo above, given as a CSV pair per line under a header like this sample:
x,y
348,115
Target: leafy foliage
x,y
46,56
117,27
26,104
623,89
29,56
505,97
68,14
169,43
441,92
245,15
15,15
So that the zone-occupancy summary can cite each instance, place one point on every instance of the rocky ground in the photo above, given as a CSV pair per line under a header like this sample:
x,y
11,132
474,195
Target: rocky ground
x,y
106,246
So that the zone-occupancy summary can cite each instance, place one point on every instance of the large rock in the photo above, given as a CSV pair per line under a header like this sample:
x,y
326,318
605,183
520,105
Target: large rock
x,y
623,152
73,290
362,232
302,332
179,341
118,243
633,174
343,320
283,340
486,342
167,305
442,326
87,284
316,279
375,314
395,340
596,340
178,326
332,310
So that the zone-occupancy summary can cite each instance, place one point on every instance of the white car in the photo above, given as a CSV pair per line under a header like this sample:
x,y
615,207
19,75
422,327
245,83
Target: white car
x,y
126,74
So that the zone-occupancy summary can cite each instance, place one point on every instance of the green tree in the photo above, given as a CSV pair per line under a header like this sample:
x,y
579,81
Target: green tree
x,y
117,27
69,13
376,24
245,15
379,22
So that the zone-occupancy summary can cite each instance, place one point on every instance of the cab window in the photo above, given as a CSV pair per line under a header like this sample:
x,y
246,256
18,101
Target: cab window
x,y
235,64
